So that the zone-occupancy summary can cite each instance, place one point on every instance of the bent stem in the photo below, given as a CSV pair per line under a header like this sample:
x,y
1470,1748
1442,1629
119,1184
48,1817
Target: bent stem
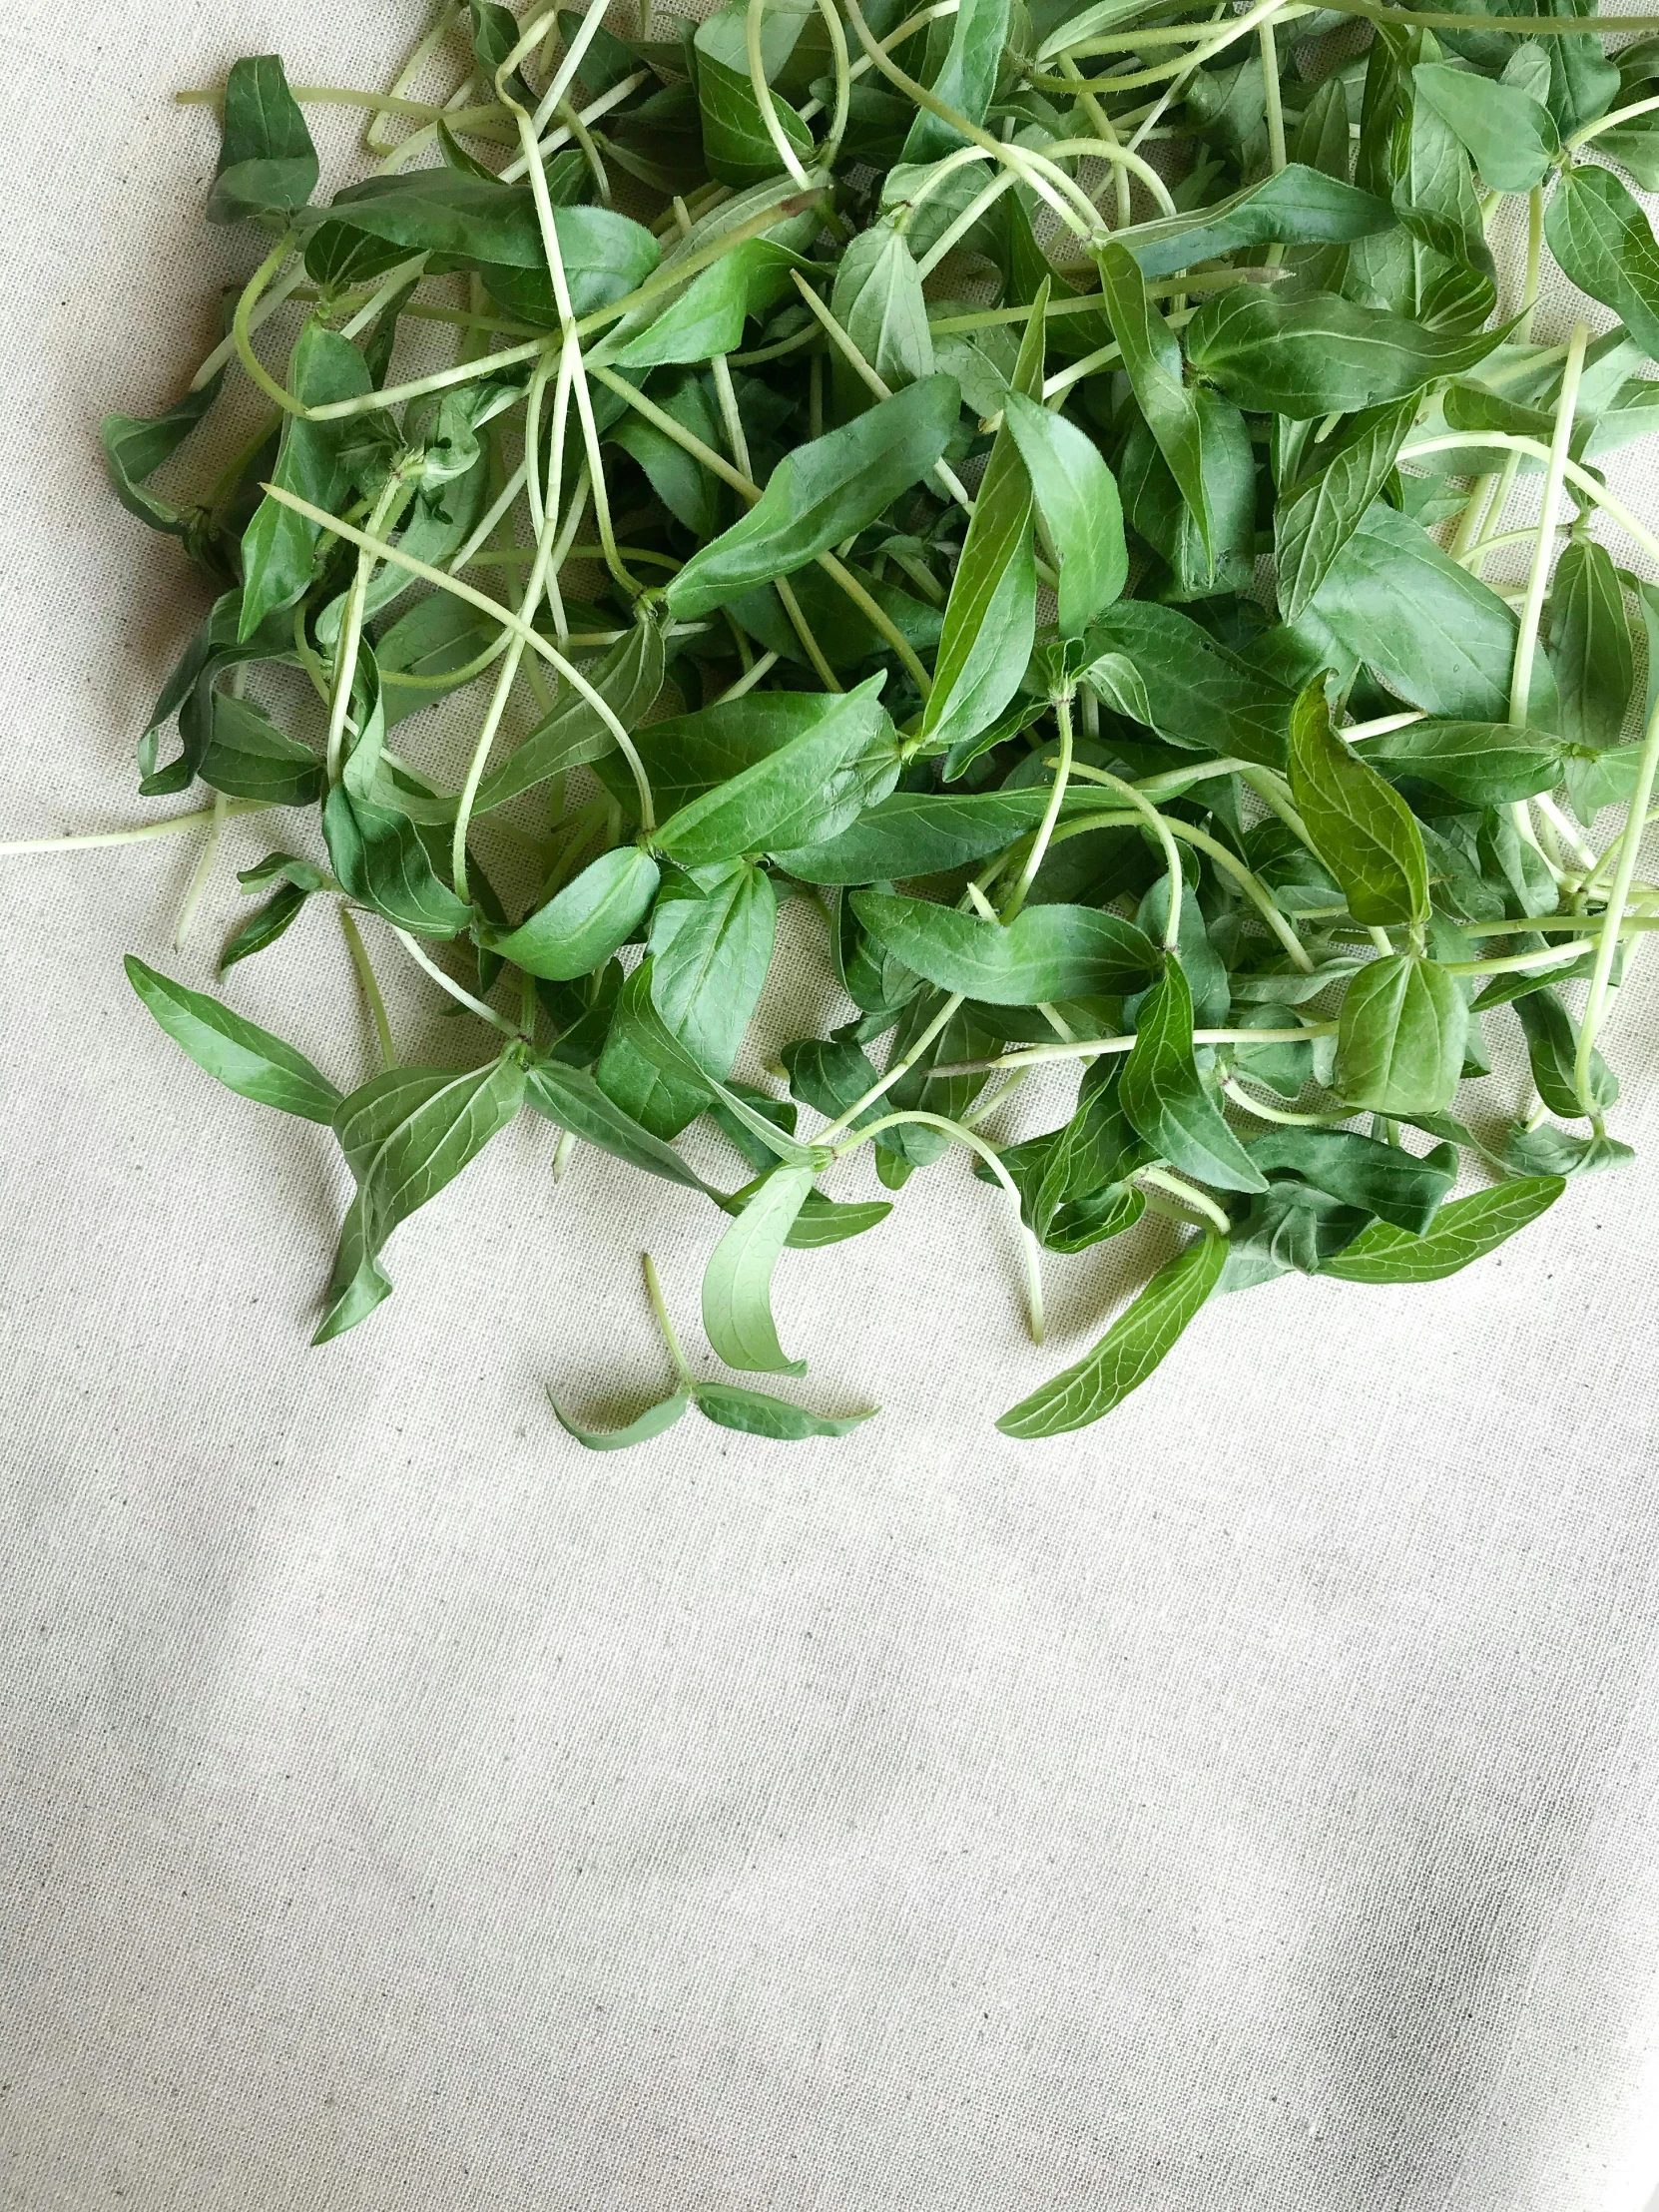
x,y
993,1160
658,1307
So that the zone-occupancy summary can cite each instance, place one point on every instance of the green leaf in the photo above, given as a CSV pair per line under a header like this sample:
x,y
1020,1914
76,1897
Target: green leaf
x,y
1366,834
1272,352
1164,1095
788,797
1293,206
584,923
1129,1350
1596,229
1045,954
640,1431
1438,637
707,317
1400,1047
1589,646
755,1413
1078,502
643,1059
919,834
405,1135
821,493
1158,666
737,1285
247,757
711,947
1318,513
825,1221
267,165
279,548
1152,363
1465,1229
136,446
877,302
627,679
572,1099
1488,763
736,144
243,1058
1156,510
1358,1171
1512,138
964,78
1552,1048
296,882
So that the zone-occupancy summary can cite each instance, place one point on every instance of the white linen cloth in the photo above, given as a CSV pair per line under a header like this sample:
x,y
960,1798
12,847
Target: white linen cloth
x,y
1251,1802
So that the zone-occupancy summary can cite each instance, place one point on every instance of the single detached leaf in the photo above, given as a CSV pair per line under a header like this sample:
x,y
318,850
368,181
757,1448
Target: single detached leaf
x,y
1129,1350
1463,1231
1046,953
1077,499
243,1058
579,928
755,1413
1163,1094
821,493
640,1431
1366,834
737,1285
1400,1047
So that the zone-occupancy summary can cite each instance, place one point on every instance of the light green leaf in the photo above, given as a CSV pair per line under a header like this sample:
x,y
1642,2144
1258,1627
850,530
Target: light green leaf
x,y
583,926
1400,1047
243,1058
737,1285
789,796
1077,499
1463,1231
1366,834
1129,1350
1046,953
650,1424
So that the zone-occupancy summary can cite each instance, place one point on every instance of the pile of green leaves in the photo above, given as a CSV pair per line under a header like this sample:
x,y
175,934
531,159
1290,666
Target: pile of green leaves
x,y
1020,480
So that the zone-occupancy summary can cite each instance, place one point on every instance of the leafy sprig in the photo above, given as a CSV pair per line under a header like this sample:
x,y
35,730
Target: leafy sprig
x,y
854,477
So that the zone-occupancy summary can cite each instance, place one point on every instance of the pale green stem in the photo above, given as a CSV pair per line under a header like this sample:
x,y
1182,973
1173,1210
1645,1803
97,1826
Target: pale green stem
x,y
1624,874
993,1160
351,627
368,984
1526,641
748,679
1177,1187
99,841
1240,1097
448,984
591,112
658,1307
787,155
1160,830
442,379
951,483
1091,1048
202,873
274,297
900,1068
240,326
1518,963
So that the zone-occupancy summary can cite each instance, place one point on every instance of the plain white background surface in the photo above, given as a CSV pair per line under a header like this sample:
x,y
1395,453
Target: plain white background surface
x,y
1249,1803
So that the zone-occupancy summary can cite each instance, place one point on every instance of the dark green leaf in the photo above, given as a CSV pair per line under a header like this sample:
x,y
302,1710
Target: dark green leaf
x,y
1552,1048
247,757
627,679
405,1135
1269,351
1320,511
136,446
1294,205
1356,1171
1152,363
1605,245
711,947
573,1099
267,165
1589,641
279,547
1489,764
709,315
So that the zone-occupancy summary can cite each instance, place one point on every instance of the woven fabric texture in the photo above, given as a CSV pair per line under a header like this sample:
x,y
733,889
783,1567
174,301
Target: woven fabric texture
x,y
1250,1805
